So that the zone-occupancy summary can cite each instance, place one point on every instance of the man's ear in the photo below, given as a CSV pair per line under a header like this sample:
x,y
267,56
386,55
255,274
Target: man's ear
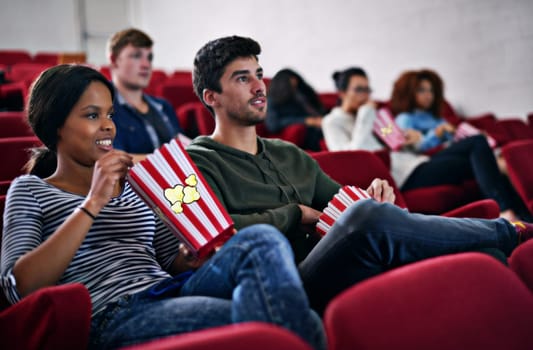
x,y
210,97
112,59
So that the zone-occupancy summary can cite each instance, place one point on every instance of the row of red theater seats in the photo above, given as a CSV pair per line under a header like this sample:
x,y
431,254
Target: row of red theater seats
x,y
15,136
177,89
458,301
12,57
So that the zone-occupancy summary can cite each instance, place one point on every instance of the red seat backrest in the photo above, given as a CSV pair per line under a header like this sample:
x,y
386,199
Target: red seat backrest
x,y
47,57
158,78
521,262
517,156
26,72
462,301
195,119
14,124
177,92
10,57
15,153
357,168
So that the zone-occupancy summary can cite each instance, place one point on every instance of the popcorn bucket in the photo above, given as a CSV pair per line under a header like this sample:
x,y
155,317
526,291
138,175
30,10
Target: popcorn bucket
x,y
346,196
387,130
171,184
465,129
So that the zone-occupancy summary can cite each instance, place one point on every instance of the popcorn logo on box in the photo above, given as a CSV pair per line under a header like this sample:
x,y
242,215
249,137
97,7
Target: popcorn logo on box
x,y
179,194
386,130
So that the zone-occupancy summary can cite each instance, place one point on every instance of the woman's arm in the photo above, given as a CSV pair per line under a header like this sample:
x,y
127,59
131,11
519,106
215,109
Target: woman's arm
x,y
44,265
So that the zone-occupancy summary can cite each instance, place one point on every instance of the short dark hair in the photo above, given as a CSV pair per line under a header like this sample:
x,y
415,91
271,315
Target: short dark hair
x,y
123,38
52,96
211,60
342,78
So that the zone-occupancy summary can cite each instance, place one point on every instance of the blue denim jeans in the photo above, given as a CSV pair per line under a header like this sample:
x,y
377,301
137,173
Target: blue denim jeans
x,y
370,238
251,278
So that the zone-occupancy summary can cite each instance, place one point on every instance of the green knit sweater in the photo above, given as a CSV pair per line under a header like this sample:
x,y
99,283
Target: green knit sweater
x,y
266,187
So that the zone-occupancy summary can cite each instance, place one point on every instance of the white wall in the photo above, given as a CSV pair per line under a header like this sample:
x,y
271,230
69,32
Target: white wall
x,y
482,48
34,25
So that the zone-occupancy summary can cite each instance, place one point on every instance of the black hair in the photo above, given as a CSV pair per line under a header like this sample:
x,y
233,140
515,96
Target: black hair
x,y
211,60
342,78
281,90
52,96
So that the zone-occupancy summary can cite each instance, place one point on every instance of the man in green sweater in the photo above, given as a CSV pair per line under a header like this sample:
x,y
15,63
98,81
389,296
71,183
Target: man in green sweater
x,y
274,182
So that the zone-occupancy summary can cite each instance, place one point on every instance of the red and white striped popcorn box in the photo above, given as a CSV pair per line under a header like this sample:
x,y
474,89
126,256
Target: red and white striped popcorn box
x,y
387,130
465,129
346,196
171,184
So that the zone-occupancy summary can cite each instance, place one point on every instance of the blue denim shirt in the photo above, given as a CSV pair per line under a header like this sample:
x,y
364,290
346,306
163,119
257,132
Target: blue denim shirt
x,y
425,123
134,134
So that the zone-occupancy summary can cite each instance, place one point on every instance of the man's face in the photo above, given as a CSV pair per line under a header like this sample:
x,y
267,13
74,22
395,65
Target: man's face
x,y
243,99
132,68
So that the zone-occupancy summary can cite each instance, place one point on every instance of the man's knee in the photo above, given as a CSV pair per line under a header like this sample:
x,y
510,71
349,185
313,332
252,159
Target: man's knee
x,y
365,214
260,234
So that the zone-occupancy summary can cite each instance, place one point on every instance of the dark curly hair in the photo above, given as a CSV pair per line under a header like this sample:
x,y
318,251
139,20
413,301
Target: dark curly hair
x,y
211,60
403,97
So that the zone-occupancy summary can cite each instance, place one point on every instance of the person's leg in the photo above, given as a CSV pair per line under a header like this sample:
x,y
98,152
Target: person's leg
x,y
139,318
256,270
449,170
467,158
371,237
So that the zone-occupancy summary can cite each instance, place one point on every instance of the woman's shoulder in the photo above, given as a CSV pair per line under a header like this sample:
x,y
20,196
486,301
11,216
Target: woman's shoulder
x,y
27,181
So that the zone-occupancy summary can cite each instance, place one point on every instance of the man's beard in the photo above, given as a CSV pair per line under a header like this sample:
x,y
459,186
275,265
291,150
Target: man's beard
x,y
247,118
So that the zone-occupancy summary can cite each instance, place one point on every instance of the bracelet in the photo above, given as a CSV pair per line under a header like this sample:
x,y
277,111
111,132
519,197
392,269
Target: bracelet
x,y
87,212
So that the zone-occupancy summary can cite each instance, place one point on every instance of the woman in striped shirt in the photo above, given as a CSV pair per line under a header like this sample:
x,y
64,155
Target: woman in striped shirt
x,y
75,219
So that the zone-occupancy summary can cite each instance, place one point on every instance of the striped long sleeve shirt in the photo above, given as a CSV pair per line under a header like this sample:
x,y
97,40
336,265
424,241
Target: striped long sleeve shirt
x,y
124,252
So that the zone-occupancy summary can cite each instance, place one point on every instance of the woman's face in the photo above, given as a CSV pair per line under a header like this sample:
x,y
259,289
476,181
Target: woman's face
x,y
89,130
357,93
424,95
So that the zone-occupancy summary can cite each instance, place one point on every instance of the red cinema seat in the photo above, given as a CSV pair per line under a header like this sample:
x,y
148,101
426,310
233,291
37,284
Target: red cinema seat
x,y
26,72
516,129
294,133
517,156
105,71
177,92
13,96
2,206
360,167
10,57
195,119
15,153
158,78
51,58
244,336
14,124
463,301
182,76
51,318
521,262
328,99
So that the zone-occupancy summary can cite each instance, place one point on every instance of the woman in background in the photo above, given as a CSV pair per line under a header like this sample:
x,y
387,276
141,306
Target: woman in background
x,y
349,126
291,100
